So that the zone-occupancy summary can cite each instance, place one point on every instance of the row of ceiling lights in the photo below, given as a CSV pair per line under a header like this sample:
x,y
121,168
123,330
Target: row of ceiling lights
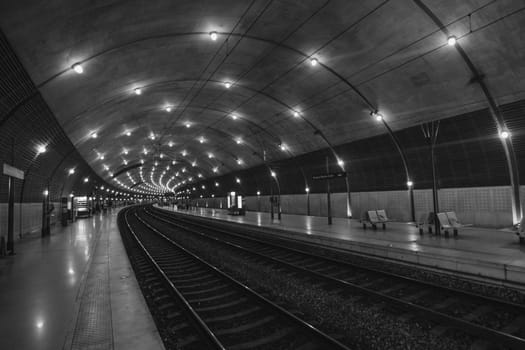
x,y
77,67
40,149
138,91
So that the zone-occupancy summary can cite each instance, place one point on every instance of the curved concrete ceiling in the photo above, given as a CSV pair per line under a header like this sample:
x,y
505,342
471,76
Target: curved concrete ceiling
x,y
372,55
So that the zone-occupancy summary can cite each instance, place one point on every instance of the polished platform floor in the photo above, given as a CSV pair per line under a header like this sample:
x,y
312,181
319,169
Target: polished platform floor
x,y
488,253
73,290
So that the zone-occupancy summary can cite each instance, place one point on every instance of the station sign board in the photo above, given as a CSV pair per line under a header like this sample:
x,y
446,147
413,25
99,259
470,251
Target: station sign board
x,y
329,176
13,172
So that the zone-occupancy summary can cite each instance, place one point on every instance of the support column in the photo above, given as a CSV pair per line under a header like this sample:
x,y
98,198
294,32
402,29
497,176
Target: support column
x,y
328,201
412,207
278,199
271,201
430,131
46,223
10,216
478,78
405,165
435,198
308,203
348,197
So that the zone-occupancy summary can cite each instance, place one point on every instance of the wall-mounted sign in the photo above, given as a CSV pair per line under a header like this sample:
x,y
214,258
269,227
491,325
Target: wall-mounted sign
x,y
13,172
329,176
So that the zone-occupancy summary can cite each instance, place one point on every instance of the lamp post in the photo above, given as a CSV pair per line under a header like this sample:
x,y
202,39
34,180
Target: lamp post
x,y
430,131
410,186
274,175
307,190
328,200
379,117
46,211
10,241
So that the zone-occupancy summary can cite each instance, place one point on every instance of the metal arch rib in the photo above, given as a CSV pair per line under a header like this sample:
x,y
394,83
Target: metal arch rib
x,y
510,155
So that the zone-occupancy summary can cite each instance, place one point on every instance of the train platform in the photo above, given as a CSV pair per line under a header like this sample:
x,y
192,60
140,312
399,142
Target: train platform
x,y
74,289
484,254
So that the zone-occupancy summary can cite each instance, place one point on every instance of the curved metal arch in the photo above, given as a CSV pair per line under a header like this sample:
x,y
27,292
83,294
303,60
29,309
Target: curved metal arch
x,y
478,78
169,158
266,164
229,136
126,169
217,131
170,82
172,35
190,169
59,164
136,184
247,120
188,164
182,34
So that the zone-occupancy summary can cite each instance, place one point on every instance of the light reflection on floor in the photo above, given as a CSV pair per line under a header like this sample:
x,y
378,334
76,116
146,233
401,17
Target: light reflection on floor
x,y
472,243
308,225
259,219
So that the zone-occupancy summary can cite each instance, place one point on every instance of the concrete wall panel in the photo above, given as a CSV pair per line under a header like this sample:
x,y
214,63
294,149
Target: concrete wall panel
x,y
481,206
31,218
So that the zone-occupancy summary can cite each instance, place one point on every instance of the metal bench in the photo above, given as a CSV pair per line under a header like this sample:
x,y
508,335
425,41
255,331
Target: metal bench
x,y
425,220
454,221
374,217
445,224
236,211
447,221
520,230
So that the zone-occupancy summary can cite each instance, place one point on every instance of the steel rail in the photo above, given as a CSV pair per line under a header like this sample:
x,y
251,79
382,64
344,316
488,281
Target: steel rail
x,y
472,328
303,324
211,339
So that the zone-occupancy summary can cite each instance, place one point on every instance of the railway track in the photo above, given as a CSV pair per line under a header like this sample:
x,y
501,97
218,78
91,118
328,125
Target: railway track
x,y
498,322
211,310
178,326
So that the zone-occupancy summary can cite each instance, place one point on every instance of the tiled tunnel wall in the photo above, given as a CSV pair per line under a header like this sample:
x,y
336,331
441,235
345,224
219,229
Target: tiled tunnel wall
x,y
27,218
25,123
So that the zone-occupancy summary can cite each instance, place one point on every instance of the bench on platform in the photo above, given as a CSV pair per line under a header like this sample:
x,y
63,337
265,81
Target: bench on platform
x,y
374,217
447,221
519,229
445,224
236,211
454,221
423,221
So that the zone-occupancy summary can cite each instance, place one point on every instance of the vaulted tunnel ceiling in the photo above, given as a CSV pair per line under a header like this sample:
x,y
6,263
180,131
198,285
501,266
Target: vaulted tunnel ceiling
x,y
372,55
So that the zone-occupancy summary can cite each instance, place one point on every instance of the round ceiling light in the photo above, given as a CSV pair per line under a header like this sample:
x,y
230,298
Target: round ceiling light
x,y
77,67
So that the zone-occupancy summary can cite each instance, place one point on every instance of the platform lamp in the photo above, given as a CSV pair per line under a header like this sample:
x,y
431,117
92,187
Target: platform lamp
x,y
410,186
72,206
307,190
380,118
65,216
40,149
46,207
258,200
273,174
284,148
46,211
